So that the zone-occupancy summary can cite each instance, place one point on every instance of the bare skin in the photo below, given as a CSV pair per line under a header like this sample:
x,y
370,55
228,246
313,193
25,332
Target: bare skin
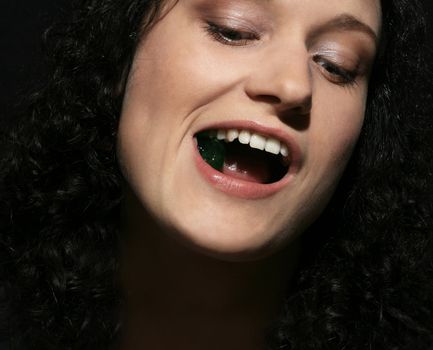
x,y
203,269
185,300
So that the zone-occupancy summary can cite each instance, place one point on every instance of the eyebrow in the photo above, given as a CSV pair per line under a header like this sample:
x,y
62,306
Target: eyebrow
x,y
344,22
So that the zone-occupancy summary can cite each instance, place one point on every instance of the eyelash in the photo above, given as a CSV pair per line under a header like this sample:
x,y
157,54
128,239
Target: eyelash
x,y
221,33
344,77
339,75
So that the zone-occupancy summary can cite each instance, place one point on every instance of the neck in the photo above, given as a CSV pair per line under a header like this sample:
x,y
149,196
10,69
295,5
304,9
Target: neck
x,y
176,297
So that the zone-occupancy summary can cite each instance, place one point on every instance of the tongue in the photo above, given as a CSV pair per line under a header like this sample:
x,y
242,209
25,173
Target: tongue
x,y
245,163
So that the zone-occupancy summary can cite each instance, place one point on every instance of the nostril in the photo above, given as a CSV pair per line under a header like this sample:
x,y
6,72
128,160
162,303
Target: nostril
x,y
268,99
303,107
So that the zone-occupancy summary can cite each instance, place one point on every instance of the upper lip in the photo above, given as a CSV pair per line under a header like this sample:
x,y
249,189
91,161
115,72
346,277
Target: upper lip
x,y
262,129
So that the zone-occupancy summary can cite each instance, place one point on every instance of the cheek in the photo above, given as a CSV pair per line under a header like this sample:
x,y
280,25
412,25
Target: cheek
x,y
173,73
170,79
336,122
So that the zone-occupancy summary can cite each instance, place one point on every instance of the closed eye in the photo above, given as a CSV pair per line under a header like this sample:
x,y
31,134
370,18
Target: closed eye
x,y
336,73
229,36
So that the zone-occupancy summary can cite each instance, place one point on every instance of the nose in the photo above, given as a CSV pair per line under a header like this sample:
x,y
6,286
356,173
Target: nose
x,y
283,80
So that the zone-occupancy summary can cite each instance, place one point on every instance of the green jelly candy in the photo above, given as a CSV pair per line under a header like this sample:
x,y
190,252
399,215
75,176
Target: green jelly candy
x,y
212,150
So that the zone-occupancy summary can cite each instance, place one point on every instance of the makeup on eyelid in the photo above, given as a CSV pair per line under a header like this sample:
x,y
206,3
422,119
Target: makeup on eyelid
x,y
350,59
236,14
342,59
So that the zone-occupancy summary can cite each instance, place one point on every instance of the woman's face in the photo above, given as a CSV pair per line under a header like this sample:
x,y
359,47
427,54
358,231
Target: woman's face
x,y
275,89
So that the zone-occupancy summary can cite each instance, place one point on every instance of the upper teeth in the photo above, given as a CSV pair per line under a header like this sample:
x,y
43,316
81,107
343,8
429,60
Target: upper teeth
x,y
257,141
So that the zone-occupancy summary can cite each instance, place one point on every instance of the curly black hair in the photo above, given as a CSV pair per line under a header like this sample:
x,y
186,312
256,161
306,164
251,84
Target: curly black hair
x,y
368,282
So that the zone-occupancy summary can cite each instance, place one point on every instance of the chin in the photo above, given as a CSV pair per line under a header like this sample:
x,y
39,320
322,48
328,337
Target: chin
x,y
228,239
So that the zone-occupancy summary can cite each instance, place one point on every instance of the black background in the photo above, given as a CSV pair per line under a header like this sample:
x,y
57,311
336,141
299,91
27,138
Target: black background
x,y
22,23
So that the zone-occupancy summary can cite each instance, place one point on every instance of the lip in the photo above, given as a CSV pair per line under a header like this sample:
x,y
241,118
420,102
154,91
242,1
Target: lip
x,y
241,188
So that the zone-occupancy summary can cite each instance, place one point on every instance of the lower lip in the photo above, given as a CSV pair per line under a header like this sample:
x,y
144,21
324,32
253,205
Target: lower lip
x,y
236,187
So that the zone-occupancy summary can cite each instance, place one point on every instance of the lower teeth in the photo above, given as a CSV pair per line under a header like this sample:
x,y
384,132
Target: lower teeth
x,y
212,150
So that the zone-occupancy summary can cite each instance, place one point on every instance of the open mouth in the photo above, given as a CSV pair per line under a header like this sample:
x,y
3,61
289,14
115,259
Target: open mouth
x,y
244,154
